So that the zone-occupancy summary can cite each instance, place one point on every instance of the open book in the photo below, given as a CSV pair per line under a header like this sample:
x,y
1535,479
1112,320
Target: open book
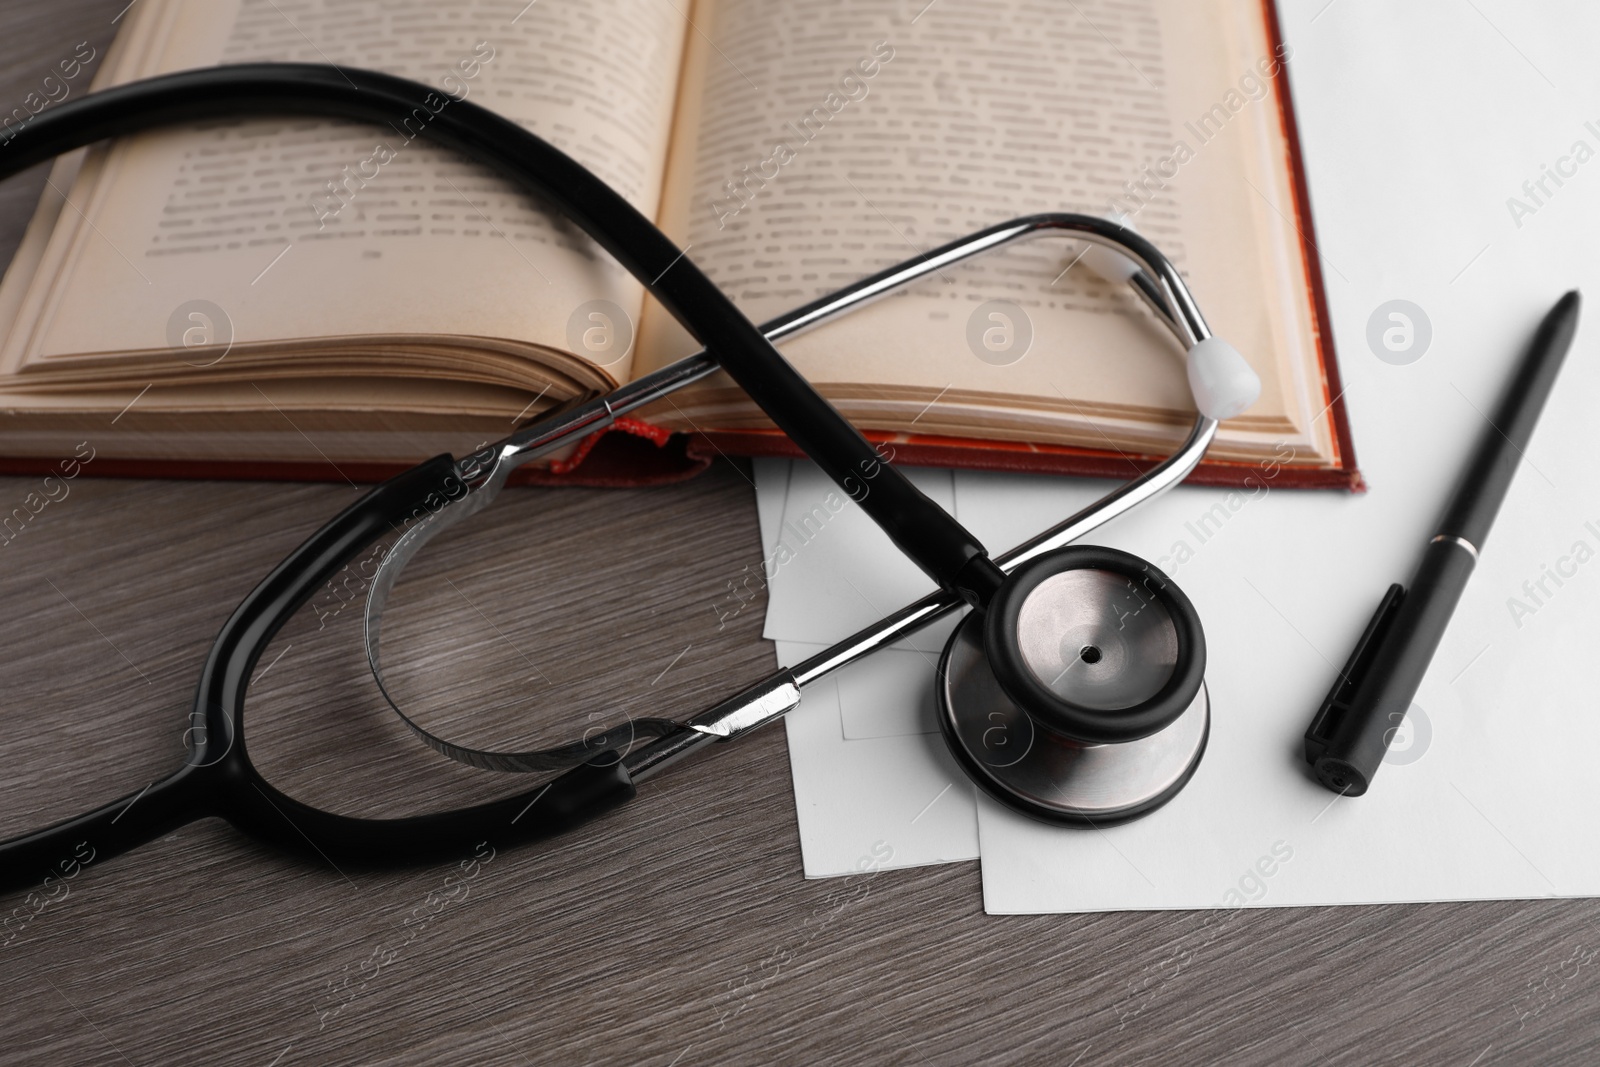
x,y
328,299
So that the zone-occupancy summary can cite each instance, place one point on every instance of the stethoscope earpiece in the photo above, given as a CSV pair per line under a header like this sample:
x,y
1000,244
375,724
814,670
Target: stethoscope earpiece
x,y
1079,694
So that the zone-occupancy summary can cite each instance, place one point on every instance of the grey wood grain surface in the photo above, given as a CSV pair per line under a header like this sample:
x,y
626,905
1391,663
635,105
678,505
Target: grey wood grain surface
x,y
679,930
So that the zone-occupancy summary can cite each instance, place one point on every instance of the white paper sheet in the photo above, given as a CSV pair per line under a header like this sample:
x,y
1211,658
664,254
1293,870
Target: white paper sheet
x,y
870,776
772,489
890,694
1490,799
897,798
834,571
1419,122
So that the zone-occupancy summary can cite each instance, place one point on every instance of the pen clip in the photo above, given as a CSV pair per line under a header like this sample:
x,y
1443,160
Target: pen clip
x,y
1337,703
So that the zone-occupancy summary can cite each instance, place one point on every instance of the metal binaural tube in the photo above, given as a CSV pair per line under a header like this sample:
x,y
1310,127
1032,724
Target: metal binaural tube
x,y
1159,285
1162,288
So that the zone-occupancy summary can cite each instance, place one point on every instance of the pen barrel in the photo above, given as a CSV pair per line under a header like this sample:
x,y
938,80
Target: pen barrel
x,y
1488,474
1389,684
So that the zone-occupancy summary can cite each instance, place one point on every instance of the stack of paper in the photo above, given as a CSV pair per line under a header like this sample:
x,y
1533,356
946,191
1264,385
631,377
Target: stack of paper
x,y
1490,784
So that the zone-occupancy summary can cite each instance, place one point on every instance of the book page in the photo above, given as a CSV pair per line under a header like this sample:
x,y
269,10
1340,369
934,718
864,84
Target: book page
x,y
300,228
817,144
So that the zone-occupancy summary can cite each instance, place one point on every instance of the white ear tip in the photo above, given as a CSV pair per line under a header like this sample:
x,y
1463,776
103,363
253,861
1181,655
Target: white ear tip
x,y
1111,265
1222,382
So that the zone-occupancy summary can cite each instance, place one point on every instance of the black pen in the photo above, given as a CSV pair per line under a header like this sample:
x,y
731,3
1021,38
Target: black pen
x,y
1352,730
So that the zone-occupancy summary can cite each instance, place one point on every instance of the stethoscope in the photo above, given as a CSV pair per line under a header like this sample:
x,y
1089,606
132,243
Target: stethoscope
x,y
1073,691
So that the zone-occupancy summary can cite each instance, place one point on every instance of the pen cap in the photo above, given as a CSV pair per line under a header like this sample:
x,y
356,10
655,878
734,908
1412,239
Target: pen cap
x,y
1352,733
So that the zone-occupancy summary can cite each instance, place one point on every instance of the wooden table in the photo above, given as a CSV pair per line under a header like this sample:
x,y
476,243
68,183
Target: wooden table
x,y
677,931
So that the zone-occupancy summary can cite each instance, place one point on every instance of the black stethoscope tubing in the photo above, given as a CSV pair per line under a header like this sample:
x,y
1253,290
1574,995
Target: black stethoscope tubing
x,y
218,779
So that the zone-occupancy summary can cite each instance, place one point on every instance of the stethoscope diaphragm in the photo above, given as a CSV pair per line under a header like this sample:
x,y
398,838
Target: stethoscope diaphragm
x,y
1079,695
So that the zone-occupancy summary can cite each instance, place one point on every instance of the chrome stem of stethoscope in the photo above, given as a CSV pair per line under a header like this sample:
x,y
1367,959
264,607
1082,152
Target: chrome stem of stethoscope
x,y
779,693
1159,285
483,473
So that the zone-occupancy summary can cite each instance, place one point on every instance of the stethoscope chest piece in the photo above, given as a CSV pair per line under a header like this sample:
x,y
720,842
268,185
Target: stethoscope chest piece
x,y
1079,695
